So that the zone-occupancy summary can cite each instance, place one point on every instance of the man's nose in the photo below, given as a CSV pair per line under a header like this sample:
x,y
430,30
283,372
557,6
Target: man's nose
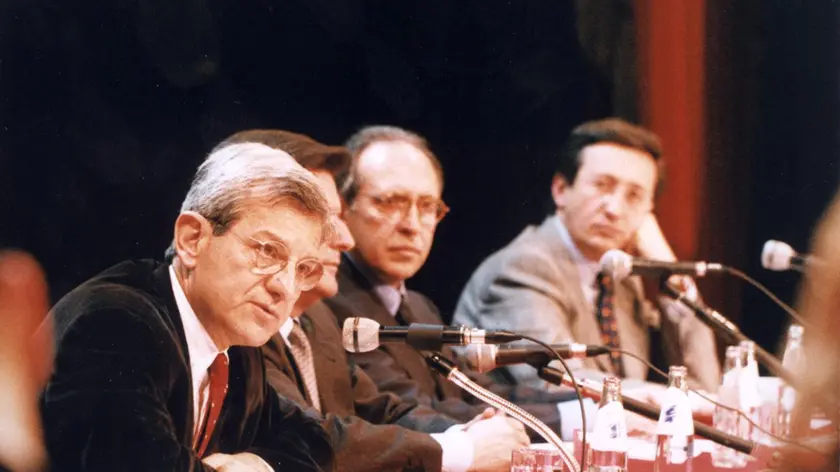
x,y
343,239
614,204
282,284
410,221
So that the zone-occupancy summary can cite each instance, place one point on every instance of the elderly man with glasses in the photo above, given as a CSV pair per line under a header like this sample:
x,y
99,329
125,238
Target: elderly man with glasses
x,y
158,365
392,208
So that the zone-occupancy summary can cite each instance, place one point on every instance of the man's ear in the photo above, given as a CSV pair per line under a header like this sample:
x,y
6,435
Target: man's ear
x,y
192,235
559,185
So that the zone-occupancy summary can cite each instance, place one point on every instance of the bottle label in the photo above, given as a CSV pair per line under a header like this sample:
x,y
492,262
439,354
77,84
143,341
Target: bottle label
x,y
675,419
610,431
728,393
748,389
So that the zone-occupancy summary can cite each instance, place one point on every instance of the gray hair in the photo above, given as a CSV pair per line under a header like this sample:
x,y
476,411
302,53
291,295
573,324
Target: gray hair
x,y
370,135
237,175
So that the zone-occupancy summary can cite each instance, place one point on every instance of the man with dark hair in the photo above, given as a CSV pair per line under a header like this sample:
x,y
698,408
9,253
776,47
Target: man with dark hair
x,y
393,207
306,362
547,282
157,366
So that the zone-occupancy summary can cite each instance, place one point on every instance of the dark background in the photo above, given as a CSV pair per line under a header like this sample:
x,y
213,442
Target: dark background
x,y
108,107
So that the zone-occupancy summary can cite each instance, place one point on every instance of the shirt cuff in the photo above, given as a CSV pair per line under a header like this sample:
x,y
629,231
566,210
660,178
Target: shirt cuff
x,y
458,449
570,419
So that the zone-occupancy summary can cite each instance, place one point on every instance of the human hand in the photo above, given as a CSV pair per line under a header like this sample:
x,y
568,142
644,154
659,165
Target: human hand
x,y
649,241
494,440
242,462
26,357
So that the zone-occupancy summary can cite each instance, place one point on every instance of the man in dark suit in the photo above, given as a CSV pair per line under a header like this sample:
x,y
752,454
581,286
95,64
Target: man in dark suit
x,y
157,366
307,363
393,197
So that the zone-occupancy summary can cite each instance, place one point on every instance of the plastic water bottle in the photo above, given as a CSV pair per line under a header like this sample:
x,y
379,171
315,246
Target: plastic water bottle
x,y
607,448
792,361
675,430
729,421
750,398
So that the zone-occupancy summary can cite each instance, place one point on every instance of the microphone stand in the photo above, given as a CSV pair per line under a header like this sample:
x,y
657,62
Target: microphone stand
x,y
449,370
594,389
732,334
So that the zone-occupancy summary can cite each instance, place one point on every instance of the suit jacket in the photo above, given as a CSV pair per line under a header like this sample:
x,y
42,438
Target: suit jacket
x,y
387,432
532,286
400,369
121,398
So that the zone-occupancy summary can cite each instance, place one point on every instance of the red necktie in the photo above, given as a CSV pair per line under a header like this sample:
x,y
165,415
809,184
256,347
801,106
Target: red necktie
x,y
607,321
218,374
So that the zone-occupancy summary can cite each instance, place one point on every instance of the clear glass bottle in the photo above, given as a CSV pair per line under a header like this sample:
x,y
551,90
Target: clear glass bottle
x,y
607,448
728,420
792,361
750,398
675,430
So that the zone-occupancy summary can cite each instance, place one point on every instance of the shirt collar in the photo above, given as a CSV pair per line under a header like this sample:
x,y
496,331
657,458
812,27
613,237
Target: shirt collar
x,y
286,329
587,269
389,296
200,346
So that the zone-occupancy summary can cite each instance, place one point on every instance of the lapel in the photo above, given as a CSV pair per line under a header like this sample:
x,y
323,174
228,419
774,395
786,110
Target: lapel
x,y
279,354
357,291
163,288
324,356
582,318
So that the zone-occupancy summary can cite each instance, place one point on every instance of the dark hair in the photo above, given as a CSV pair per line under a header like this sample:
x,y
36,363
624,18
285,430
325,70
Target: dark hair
x,y
375,134
609,130
309,153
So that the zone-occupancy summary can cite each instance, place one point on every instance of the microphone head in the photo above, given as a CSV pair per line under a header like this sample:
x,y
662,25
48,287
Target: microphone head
x,y
777,255
481,357
617,264
360,335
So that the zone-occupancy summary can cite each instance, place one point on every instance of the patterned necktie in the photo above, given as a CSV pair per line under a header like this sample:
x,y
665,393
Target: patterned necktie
x,y
218,375
302,354
607,320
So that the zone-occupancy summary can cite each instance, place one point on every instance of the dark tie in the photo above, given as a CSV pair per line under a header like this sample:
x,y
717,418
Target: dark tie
x,y
218,374
302,354
607,320
403,315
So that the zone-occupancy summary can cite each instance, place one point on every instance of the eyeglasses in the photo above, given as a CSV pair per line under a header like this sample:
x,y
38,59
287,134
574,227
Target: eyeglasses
x,y
396,207
271,257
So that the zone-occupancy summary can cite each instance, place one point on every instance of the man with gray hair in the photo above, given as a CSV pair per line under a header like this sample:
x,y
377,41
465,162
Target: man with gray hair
x,y
157,365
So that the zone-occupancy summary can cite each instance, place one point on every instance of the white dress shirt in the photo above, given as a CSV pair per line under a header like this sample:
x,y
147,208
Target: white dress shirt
x,y
201,348
202,351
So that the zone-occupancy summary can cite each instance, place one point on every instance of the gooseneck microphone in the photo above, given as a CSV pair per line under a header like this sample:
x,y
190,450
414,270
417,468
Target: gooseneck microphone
x,y
620,265
364,335
450,371
484,358
779,256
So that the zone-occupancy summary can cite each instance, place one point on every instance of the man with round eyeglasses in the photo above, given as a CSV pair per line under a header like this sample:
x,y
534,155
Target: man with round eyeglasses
x,y
157,364
393,205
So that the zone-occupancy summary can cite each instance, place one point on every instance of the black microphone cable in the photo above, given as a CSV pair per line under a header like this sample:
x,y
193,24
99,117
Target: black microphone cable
x,y
784,306
574,383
